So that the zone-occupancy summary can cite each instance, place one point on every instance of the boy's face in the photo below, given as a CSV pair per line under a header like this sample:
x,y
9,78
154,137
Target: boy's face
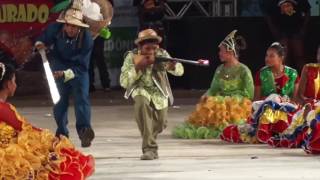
x,y
149,48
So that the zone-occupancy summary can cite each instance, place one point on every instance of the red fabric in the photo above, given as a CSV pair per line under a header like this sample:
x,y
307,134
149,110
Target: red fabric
x,y
8,116
75,167
257,80
313,145
278,127
231,134
284,142
273,142
312,73
264,133
280,82
31,29
6,49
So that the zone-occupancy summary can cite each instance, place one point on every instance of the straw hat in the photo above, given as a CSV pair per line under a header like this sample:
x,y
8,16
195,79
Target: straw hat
x,y
72,16
283,1
106,10
147,34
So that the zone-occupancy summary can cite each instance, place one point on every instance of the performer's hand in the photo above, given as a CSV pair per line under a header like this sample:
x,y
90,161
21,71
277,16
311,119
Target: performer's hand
x,y
171,66
143,61
58,74
40,46
149,58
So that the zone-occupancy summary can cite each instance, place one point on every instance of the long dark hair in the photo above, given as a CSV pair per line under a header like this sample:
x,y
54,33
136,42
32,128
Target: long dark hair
x,y
241,44
7,72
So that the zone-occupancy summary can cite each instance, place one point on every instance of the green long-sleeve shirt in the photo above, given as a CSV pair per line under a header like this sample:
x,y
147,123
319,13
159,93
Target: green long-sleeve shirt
x,y
144,80
230,81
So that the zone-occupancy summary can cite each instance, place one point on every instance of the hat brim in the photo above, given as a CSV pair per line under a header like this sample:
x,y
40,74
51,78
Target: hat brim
x,y
139,40
283,1
73,22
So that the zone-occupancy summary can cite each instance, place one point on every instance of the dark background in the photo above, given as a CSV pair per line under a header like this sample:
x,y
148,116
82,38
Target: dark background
x,y
199,37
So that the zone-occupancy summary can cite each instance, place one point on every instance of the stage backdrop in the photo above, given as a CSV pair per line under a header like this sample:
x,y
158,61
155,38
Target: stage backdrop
x,y
21,21
194,38
124,31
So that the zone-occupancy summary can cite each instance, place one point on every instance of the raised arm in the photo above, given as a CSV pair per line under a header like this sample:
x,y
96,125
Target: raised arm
x,y
175,69
49,34
129,75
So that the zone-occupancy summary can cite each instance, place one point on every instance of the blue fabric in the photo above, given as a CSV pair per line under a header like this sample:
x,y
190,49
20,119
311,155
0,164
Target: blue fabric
x,y
79,87
67,54
273,105
309,137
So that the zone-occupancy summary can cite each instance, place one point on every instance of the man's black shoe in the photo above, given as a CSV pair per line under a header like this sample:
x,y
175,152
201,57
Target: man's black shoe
x,y
86,136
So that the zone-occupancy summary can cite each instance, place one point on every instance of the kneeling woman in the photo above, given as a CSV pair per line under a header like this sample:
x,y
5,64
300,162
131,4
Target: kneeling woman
x,y
27,152
228,101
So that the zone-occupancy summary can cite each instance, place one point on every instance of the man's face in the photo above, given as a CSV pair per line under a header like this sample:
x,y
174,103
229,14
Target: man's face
x,y
287,8
71,30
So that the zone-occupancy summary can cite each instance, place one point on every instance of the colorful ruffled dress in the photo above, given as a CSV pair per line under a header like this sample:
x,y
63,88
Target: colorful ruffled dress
x,y
294,136
299,133
311,142
271,116
30,153
313,81
228,102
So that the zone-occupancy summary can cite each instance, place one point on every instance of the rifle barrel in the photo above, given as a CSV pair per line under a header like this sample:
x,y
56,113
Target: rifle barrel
x,y
165,59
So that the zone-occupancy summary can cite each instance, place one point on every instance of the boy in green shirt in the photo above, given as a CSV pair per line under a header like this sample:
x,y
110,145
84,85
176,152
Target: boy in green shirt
x,y
146,81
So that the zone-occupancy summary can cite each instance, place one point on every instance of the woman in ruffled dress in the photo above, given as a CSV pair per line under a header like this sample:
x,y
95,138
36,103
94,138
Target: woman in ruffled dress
x,y
228,100
305,127
276,87
28,152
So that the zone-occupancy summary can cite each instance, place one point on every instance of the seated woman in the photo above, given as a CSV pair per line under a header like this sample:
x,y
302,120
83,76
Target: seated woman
x,y
309,88
303,131
231,77
275,84
27,152
228,100
275,77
